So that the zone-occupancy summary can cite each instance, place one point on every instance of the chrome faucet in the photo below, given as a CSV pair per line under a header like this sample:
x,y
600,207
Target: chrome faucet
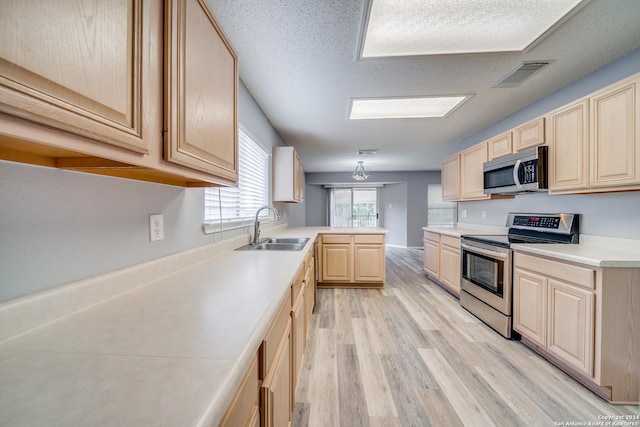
x,y
256,225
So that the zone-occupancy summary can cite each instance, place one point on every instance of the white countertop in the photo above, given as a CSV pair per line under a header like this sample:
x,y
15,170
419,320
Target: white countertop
x,y
171,352
595,251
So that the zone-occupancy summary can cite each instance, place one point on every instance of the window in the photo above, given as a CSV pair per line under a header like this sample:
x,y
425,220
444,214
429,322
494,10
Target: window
x,y
230,205
439,213
354,207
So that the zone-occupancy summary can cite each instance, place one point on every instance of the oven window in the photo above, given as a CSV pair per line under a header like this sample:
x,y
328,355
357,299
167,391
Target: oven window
x,y
483,271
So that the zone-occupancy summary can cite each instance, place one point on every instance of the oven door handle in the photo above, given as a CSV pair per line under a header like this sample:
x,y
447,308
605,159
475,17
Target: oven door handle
x,y
487,252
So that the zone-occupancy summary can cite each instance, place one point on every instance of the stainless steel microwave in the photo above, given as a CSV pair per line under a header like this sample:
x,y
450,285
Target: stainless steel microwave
x,y
522,172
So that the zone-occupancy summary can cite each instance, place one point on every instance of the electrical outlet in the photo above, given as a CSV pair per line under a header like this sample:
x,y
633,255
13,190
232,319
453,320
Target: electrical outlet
x,y
484,214
156,227
464,213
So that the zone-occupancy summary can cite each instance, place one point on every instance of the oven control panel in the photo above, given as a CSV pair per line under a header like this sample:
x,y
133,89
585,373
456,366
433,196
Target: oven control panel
x,y
567,224
537,221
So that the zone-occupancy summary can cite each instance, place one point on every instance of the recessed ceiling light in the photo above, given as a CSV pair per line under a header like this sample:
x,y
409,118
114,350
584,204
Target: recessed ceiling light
x,y
399,108
437,27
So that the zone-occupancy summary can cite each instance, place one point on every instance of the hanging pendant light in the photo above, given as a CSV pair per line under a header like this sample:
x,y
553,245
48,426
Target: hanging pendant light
x,y
359,174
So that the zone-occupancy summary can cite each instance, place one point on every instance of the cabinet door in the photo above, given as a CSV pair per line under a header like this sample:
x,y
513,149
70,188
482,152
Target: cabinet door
x,y
450,267
615,139
451,178
530,305
528,135
276,388
568,139
500,145
337,263
309,299
471,175
288,175
298,183
244,408
201,93
571,324
369,263
432,258
297,341
77,66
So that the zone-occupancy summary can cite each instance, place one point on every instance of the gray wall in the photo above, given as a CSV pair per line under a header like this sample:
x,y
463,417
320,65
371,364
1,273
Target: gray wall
x,y
403,201
613,214
60,226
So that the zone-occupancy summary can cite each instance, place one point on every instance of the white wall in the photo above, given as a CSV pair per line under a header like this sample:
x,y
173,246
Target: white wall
x,y
612,214
60,226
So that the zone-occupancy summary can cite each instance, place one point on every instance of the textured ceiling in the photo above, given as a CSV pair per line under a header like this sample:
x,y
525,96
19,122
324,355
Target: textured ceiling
x,y
299,60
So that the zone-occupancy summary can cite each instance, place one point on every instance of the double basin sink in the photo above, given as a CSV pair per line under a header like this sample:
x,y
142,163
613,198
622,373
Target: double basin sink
x,y
277,244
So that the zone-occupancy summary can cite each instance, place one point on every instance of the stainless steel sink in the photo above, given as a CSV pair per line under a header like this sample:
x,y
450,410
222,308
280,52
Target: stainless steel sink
x,y
296,240
277,244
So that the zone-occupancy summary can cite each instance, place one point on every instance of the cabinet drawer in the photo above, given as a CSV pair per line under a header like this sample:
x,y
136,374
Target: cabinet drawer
x,y
558,269
369,238
277,329
336,238
434,237
454,242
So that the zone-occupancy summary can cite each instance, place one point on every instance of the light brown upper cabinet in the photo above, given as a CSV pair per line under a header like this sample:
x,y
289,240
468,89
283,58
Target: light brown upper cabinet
x,y
615,136
520,138
594,144
82,87
500,145
451,178
462,175
201,91
288,176
528,135
471,176
77,66
568,137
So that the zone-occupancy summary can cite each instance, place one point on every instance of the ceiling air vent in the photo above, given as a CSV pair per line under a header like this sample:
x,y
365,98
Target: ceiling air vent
x,y
522,73
368,151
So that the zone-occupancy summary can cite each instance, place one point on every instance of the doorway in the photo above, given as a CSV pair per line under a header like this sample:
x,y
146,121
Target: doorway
x,y
353,207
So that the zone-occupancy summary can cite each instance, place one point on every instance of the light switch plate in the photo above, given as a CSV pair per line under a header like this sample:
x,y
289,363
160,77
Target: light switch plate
x,y
156,227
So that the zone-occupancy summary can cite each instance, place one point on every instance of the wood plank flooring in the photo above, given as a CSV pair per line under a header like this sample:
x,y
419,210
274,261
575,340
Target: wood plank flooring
x,y
409,355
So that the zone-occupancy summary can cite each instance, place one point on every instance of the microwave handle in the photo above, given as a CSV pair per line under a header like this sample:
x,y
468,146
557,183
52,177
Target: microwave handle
x,y
516,168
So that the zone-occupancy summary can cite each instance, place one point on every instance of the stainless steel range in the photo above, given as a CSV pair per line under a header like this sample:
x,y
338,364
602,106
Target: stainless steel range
x,y
486,264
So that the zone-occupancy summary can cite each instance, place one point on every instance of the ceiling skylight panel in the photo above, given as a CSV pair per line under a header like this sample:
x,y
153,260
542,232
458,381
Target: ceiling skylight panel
x,y
437,27
397,108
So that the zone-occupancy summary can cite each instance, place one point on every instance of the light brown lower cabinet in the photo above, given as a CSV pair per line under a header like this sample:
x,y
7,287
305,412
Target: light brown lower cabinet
x,y
245,406
276,388
583,319
442,260
352,260
450,263
298,340
266,394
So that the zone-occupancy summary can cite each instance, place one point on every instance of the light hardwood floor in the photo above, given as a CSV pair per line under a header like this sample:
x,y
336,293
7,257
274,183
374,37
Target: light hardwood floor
x,y
409,355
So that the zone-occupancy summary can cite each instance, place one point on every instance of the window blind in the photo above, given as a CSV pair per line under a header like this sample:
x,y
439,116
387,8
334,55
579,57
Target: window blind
x,y
231,204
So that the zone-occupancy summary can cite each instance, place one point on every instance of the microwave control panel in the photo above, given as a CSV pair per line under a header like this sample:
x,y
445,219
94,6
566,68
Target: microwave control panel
x,y
530,169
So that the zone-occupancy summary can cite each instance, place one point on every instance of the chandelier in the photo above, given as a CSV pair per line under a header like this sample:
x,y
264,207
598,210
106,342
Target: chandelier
x,y
359,174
